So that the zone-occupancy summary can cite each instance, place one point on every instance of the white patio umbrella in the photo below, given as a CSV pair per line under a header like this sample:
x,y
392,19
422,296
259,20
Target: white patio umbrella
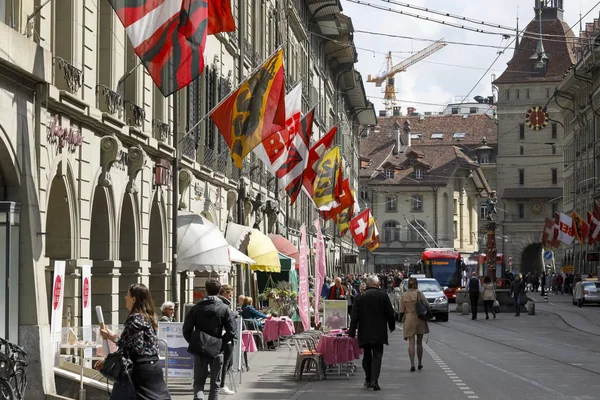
x,y
237,256
201,245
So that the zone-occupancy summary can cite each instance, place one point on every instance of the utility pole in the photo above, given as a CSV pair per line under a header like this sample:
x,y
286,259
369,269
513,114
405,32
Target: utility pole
x,y
175,206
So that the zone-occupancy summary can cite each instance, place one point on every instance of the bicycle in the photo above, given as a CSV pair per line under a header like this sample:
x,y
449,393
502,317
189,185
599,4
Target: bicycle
x,y
13,379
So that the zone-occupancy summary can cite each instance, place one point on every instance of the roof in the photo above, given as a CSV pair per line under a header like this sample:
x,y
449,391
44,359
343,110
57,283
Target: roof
x,y
532,193
561,54
474,126
439,163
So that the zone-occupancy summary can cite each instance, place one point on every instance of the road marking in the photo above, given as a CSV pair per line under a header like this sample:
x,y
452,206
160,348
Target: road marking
x,y
470,394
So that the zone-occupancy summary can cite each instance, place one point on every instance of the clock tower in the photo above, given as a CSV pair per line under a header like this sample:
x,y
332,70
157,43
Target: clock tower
x,y
530,135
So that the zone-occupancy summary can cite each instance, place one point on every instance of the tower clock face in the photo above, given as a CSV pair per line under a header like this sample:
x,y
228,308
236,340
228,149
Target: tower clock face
x,y
536,118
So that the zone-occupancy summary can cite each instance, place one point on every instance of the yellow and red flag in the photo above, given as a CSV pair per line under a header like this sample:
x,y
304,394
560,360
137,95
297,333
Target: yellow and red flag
x,y
375,241
580,227
327,184
255,110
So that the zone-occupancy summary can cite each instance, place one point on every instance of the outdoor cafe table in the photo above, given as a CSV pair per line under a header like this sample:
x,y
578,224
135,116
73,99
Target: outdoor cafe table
x,y
248,343
276,327
338,348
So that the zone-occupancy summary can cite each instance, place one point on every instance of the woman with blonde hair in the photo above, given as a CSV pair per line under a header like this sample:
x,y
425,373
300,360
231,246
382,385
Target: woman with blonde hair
x,y
413,325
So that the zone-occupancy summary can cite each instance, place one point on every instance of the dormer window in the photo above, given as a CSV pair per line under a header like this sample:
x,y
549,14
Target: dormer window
x,y
459,135
419,173
389,173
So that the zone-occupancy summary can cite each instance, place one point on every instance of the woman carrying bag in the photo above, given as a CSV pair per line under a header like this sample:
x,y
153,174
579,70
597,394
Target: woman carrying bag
x,y
489,297
139,343
413,325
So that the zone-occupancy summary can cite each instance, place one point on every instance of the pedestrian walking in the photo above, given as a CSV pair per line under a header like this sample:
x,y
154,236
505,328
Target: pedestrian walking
x,y
578,293
207,326
474,294
372,314
413,326
139,343
226,294
489,296
517,289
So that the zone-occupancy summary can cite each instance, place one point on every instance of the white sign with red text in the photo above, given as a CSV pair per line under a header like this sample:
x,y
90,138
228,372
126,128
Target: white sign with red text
x,y
86,305
56,304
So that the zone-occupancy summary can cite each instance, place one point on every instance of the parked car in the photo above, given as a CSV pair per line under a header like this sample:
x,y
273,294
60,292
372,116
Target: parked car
x,y
591,292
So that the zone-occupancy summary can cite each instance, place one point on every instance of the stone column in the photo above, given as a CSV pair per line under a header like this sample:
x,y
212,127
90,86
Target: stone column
x,y
105,290
491,250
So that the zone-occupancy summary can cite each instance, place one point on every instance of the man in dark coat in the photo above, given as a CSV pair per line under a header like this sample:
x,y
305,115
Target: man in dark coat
x,y
373,314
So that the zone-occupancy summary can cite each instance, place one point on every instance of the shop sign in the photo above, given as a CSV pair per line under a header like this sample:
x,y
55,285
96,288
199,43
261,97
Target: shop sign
x,y
66,137
162,173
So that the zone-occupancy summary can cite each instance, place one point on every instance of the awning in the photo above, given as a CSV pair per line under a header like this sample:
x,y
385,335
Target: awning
x,y
262,250
287,263
236,234
237,256
286,247
201,245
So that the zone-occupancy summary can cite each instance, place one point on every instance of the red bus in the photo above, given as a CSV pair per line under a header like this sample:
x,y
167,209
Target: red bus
x,y
444,265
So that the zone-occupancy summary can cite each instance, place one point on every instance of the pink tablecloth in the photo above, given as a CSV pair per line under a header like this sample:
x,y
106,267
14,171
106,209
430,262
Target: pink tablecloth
x,y
276,327
338,349
248,343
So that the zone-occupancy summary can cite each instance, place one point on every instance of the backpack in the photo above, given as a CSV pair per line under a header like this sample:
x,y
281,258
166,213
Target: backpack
x,y
473,285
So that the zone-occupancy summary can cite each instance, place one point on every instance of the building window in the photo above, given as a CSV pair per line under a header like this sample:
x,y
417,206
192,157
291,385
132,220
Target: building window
x,y
507,94
518,94
483,210
364,194
473,110
389,173
391,204
554,176
522,131
391,231
455,229
454,110
554,131
484,159
521,211
526,93
419,173
416,231
521,177
553,149
416,202
554,210
455,206
522,150
547,93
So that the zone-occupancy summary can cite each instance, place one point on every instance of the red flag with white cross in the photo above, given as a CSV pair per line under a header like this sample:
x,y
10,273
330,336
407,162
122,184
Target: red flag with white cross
x,y
359,226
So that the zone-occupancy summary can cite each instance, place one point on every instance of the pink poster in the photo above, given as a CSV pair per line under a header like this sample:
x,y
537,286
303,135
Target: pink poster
x,y
319,268
303,302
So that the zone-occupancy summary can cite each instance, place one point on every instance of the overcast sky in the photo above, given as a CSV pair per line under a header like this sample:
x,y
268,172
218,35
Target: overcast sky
x,y
428,81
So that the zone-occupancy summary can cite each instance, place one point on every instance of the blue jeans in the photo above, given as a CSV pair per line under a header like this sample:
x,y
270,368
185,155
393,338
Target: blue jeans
x,y
517,298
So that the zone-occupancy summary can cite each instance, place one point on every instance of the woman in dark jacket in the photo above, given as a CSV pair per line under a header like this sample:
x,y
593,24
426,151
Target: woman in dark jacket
x,y
139,343
249,312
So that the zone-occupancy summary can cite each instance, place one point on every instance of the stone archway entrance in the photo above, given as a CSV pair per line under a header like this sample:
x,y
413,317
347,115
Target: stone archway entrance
x,y
128,231
100,226
531,259
159,276
59,232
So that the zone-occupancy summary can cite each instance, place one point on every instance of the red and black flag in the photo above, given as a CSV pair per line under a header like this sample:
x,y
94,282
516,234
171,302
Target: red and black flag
x,y
168,36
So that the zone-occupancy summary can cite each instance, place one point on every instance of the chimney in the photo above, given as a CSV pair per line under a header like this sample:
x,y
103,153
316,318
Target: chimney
x,y
398,139
410,111
396,111
383,113
405,137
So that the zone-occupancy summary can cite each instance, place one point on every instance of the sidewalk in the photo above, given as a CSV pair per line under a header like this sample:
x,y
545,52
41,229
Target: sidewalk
x,y
586,319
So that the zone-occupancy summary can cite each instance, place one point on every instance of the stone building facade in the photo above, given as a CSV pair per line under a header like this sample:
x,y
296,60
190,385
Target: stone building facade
x,y
87,142
422,187
530,157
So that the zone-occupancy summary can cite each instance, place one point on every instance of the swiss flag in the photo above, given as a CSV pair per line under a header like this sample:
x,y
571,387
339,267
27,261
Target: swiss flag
x,y
359,226
548,233
594,231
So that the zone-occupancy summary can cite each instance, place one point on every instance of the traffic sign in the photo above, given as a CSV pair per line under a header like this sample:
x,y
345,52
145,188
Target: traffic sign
x,y
548,255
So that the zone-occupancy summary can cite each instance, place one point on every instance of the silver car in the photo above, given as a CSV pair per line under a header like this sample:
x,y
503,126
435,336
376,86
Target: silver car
x,y
433,293
591,292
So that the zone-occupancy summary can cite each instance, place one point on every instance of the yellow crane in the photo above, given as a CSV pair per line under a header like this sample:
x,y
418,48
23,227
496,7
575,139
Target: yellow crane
x,y
391,70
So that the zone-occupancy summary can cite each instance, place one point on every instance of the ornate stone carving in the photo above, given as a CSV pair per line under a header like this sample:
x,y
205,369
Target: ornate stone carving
x,y
272,211
231,202
136,161
109,153
185,180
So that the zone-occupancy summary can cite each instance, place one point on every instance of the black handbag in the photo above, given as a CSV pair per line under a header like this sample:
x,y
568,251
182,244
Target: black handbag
x,y
117,367
422,310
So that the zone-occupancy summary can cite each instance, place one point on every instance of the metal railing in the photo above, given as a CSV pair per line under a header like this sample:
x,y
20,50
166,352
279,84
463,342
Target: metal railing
x,y
73,76
113,102
160,130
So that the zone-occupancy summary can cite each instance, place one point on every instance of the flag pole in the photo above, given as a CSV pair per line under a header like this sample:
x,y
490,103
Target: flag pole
x,y
175,207
212,110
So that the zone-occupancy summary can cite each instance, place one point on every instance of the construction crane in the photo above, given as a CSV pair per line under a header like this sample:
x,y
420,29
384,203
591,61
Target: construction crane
x,y
392,70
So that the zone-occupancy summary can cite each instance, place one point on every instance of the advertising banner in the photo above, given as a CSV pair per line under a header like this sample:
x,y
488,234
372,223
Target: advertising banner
x,y
86,306
303,301
335,314
181,363
320,269
56,304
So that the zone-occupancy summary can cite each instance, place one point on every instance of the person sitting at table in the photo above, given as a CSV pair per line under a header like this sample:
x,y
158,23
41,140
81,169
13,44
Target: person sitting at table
x,y
249,312
240,302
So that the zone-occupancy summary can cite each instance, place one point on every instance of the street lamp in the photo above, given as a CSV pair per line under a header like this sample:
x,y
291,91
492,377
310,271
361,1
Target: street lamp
x,y
9,269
